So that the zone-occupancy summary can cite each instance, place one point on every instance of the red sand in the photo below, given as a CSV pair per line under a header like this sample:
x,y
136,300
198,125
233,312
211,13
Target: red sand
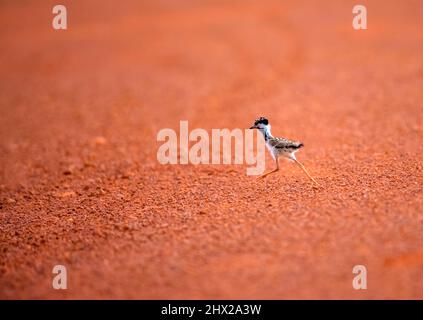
x,y
80,184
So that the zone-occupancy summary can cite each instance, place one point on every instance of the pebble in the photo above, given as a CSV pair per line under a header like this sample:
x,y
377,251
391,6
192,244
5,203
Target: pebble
x,y
66,194
99,141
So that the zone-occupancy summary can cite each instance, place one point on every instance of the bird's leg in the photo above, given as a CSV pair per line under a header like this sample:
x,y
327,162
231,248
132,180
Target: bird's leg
x,y
304,169
270,172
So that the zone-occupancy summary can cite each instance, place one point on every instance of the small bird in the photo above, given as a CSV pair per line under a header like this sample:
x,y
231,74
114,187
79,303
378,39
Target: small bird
x,y
279,147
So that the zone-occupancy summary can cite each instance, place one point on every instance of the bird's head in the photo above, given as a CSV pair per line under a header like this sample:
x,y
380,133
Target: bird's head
x,y
261,124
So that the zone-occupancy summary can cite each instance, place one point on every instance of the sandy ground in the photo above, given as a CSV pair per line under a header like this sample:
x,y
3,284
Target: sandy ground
x,y
80,184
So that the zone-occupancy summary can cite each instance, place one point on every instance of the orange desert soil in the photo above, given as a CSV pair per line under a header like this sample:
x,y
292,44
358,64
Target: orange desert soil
x,y
80,184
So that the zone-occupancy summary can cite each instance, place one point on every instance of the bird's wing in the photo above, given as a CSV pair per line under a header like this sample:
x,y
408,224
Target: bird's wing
x,y
282,143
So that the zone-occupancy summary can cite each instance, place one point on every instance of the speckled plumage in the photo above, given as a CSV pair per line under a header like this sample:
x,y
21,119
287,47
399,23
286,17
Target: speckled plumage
x,y
283,146
279,147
